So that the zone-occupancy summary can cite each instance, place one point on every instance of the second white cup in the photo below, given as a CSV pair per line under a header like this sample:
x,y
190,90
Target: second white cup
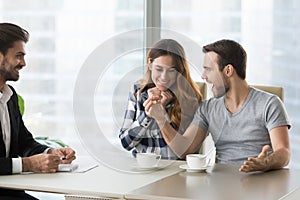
x,y
196,161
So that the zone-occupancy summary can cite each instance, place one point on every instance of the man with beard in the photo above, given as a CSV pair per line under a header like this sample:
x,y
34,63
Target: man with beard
x,y
19,152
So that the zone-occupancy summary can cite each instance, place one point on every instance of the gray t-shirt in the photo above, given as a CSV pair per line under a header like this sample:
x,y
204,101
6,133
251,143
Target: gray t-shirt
x,y
242,134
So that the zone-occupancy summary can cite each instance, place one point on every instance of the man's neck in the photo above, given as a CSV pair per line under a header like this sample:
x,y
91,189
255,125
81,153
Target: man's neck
x,y
236,96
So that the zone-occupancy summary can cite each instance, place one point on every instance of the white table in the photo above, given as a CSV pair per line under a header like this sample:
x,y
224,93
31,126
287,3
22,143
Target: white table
x,y
100,182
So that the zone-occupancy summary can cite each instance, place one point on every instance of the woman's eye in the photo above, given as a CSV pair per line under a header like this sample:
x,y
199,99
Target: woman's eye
x,y
171,70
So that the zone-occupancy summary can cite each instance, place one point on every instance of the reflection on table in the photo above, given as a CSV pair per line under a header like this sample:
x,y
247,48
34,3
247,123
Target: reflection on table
x,y
221,182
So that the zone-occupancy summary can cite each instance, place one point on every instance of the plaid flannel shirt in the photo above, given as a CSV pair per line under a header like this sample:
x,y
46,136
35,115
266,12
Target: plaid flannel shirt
x,y
140,132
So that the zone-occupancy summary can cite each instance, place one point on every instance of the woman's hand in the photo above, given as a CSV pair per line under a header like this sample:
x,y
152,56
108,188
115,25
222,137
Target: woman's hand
x,y
154,109
154,94
167,97
164,97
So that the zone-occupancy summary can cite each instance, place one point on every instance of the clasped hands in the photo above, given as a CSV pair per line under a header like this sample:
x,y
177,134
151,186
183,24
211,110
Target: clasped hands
x,y
156,103
48,163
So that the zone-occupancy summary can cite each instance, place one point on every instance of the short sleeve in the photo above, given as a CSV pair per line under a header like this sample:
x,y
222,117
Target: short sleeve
x,y
275,114
200,117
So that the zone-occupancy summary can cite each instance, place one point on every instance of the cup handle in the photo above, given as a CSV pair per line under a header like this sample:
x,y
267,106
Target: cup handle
x,y
158,157
207,162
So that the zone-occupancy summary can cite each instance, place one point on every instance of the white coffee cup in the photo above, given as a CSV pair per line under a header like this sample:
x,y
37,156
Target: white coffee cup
x,y
196,161
146,160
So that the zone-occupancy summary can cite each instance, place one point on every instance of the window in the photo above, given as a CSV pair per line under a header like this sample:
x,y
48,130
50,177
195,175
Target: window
x,y
64,33
268,31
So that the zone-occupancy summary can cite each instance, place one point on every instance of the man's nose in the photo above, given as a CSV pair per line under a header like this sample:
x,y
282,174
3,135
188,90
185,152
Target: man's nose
x,y
23,62
203,76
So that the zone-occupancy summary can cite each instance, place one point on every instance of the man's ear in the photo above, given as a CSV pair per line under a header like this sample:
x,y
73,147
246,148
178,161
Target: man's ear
x,y
228,70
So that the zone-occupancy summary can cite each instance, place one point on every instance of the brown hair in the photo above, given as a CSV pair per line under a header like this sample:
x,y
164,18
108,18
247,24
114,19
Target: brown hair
x,y
229,52
187,93
10,33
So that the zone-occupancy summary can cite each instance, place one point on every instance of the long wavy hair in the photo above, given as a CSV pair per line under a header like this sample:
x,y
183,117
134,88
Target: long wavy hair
x,y
186,91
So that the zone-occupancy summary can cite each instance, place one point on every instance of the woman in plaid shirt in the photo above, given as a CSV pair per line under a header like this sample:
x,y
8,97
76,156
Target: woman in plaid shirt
x,y
168,80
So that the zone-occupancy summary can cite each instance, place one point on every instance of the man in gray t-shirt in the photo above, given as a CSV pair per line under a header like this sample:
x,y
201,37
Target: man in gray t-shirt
x,y
249,126
240,135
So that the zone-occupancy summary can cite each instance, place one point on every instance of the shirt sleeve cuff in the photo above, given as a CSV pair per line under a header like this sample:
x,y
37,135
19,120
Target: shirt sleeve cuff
x,y
46,151
144,120
16,165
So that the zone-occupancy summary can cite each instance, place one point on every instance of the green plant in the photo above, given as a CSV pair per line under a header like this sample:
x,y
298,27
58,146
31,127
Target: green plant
x,y
21,104
54,143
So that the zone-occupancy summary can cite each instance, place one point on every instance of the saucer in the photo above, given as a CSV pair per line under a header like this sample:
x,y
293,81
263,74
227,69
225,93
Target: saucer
x,y
150,168
186,167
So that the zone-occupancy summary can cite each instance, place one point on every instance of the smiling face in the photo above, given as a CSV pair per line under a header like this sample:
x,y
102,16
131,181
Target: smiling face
x,y
213,75
163,72
12,62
